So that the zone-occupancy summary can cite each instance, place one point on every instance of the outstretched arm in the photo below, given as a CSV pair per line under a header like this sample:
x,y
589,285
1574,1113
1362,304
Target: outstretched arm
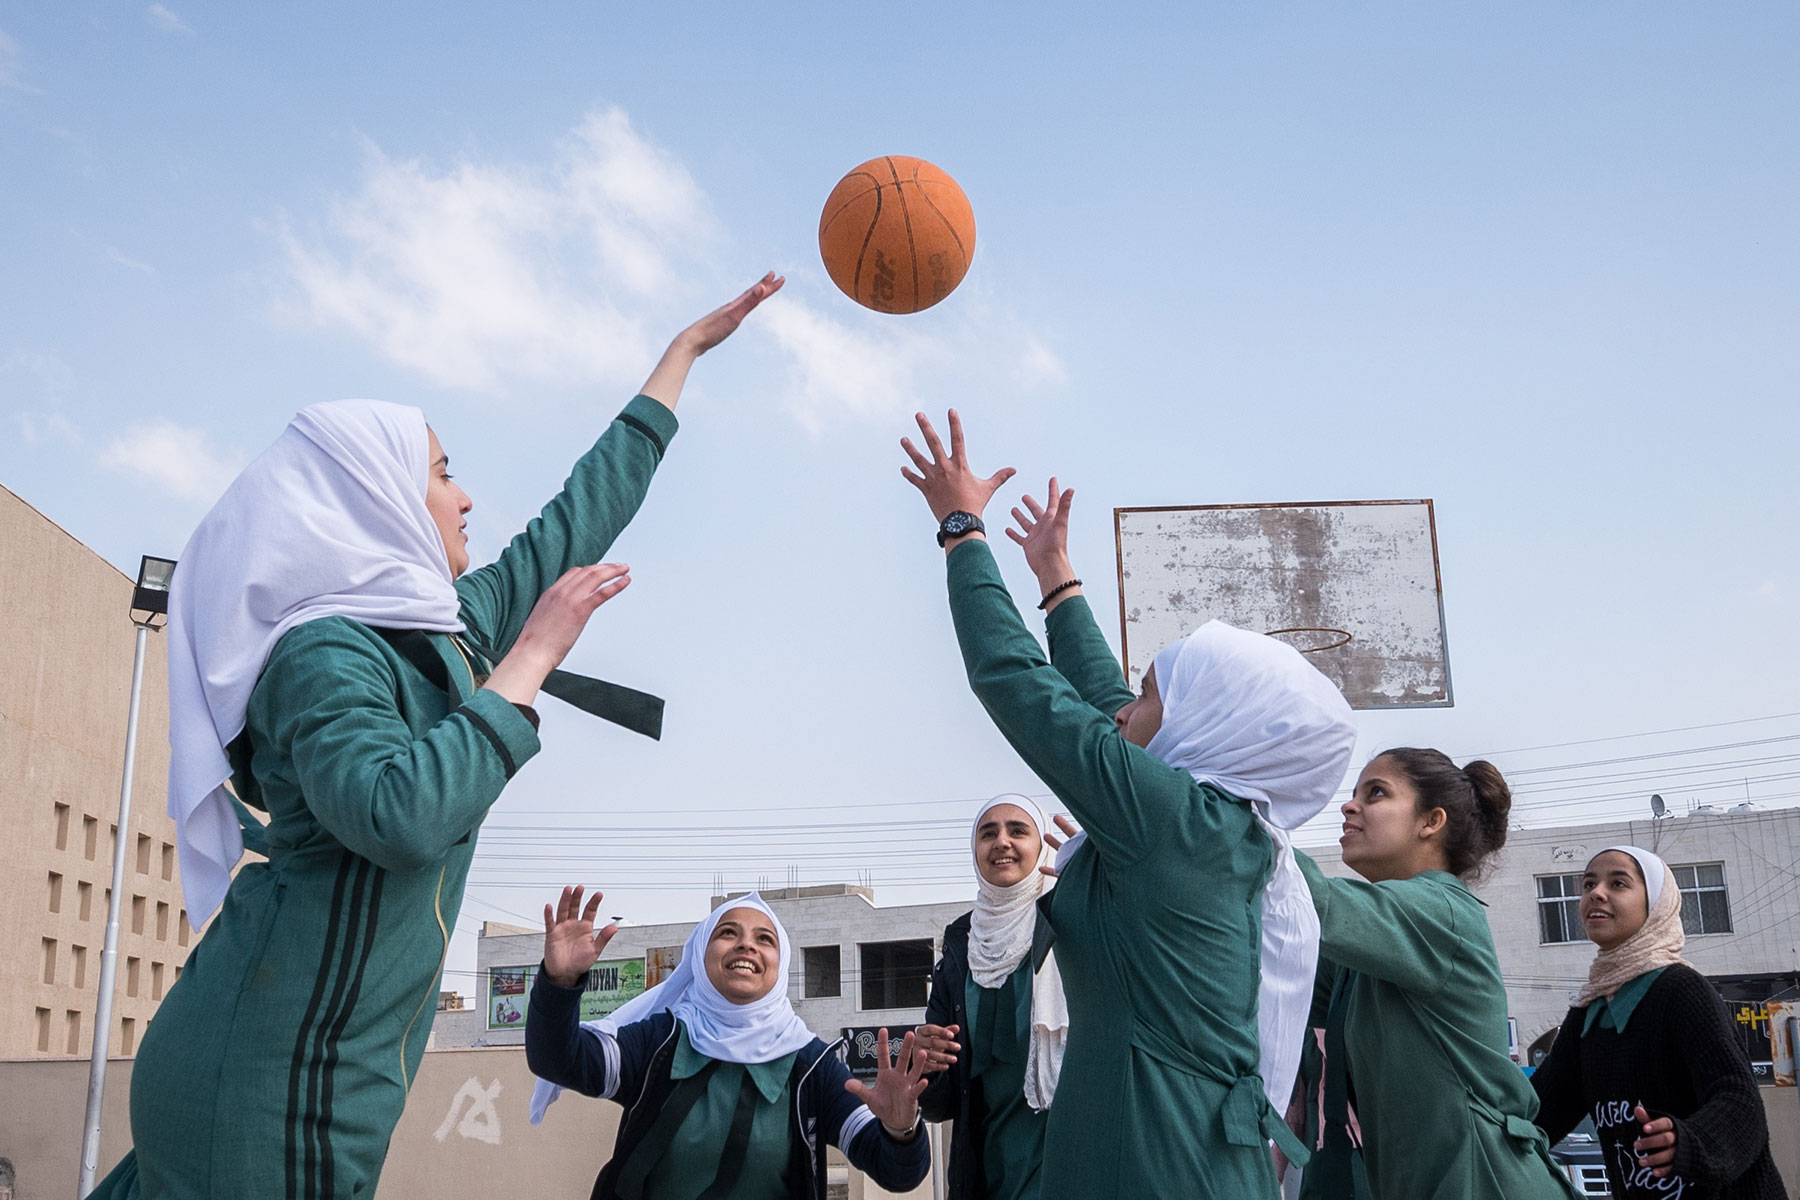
x,y
603,492
1076,647
1123,797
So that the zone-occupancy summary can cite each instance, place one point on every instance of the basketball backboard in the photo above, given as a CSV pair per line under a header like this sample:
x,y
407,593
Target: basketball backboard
x,y
1355,582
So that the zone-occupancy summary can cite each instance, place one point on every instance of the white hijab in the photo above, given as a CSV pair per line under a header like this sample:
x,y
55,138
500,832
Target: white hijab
x,y
1000,935
1249,715
330,520
758,1032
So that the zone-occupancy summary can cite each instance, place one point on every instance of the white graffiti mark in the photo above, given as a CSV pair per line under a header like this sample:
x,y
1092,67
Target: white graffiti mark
x,y
482,1121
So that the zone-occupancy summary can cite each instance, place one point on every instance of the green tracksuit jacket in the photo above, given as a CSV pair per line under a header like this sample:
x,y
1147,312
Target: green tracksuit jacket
x,y
279,1062
1445,1112
1158,922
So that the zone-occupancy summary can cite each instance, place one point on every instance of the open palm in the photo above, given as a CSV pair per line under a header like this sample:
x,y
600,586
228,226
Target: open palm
x,y
571,944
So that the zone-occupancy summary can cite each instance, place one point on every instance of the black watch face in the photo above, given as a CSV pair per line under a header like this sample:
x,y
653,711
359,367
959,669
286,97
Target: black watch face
x,y
958,523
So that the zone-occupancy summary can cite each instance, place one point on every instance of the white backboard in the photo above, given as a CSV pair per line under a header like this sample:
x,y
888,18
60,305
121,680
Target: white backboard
x,y
1367,568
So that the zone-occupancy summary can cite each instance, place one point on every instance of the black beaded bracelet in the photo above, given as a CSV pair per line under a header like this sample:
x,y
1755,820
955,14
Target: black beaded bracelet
x,y
1064,586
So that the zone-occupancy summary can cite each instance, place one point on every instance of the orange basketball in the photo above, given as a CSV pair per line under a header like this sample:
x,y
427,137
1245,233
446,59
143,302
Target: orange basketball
x,y
897,234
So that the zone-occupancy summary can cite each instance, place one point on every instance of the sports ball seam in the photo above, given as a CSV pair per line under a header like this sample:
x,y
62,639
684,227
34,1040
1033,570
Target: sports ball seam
x,y
847,201
874,221
912,251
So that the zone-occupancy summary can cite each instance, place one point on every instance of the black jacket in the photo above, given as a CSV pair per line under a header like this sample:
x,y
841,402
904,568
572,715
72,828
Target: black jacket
x,y
558,1050
949,1096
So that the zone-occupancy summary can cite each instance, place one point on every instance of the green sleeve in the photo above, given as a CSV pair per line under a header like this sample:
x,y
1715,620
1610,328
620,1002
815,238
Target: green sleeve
x,y
1124,798
1401,930
327,702
575,529
1078,650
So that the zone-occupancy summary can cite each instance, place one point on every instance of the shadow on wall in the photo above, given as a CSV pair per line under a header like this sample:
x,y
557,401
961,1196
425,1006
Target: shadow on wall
x,y
466,1130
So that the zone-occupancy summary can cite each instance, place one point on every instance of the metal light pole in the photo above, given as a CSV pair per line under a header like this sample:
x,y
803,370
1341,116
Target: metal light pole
x,y
151,598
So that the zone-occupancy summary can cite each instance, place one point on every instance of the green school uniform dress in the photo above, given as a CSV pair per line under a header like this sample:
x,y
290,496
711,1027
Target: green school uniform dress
x,y
1420,1011
279,1062
688,1166
999,1043
1157,918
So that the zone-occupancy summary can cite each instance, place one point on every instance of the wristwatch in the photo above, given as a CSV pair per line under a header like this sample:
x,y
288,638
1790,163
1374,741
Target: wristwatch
x,y
957,524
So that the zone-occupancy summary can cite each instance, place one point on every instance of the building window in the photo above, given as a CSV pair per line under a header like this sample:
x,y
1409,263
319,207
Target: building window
x,y
72,1026
824,971
162,920
90,837
49,960
156,985
62,843
895,974
1705,904
78,958
1559,909
137,914
131,976
144,843
182,929
55,892
84,898
168,857
43,1030
128,1034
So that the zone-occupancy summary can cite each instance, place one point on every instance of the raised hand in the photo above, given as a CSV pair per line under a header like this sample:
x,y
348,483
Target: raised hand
x,y
939,1045
1656,1149
1070,829
571,945
945,479
723,321
556,621
898,1085
1043,533
670,376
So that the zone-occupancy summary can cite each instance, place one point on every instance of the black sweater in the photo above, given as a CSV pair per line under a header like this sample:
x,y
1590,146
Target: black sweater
x,y
1679,1058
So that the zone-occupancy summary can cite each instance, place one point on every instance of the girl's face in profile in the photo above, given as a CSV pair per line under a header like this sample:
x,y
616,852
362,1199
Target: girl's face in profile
x,y
1614,904
743,956
1140,719
448,505
1383,833
1007,845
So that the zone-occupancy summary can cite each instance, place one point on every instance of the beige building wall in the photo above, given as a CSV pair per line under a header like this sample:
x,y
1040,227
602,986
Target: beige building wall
x,y
65,683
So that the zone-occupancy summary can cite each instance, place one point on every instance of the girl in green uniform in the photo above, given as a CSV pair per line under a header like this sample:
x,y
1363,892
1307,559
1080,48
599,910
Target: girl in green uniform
x,y
1409,988
727,1093
1009,1011
329,657
1166,919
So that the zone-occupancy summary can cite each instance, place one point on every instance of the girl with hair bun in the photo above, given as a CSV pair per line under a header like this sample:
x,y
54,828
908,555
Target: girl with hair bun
x,y
1648,1050
1409,989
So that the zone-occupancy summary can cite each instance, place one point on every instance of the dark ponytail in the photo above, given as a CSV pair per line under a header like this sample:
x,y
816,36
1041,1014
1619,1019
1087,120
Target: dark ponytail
x,y
1475,800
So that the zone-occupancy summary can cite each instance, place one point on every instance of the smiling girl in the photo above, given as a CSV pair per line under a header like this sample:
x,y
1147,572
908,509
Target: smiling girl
x,y
727,1094
1648,1051
1013,1019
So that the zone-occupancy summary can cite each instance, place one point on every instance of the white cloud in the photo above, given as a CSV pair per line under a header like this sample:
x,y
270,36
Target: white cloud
x,y
478,273
9,64
125,260
180,461
1039,366
167,21
864,372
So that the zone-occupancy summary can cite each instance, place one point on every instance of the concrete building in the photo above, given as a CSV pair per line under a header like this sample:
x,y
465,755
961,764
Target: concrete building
x,y
857,966
65,681
1740,905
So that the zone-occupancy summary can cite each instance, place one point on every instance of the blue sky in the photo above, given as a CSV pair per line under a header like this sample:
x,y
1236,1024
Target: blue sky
x,y
1535,261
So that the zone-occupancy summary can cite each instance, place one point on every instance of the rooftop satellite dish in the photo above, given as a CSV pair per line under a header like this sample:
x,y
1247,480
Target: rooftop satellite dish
x,y
1657,807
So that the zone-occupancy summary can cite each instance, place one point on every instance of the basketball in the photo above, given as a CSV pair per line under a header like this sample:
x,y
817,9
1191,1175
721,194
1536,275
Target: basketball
x,y
897,234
